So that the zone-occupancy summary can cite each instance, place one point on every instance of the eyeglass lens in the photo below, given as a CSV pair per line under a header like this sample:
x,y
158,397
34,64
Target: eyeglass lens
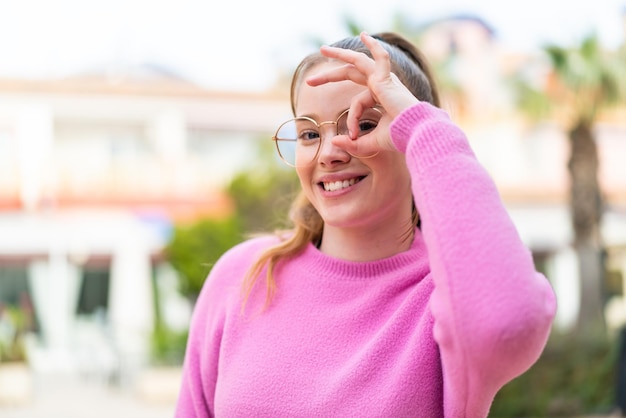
x,y
298,140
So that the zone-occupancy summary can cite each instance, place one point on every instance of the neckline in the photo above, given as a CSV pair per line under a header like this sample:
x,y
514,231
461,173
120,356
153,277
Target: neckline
x,y
326,265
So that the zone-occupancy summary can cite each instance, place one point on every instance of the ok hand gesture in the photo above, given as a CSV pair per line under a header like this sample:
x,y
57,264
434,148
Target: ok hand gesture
x,y
383,89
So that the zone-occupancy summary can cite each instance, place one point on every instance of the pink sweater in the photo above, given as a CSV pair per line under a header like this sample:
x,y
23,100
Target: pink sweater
x,y
434,331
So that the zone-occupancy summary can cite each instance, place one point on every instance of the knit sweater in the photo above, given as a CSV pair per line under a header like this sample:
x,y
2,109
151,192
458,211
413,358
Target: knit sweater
x,y
434,331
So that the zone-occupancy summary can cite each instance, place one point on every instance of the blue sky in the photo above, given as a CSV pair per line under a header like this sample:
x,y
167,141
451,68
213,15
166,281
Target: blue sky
x,y
239,44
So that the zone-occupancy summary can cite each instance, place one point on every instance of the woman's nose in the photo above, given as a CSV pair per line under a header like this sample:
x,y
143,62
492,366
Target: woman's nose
x,y
330,153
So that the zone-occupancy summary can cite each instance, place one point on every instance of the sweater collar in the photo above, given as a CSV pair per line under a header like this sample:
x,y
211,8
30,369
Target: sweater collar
x,y
414,258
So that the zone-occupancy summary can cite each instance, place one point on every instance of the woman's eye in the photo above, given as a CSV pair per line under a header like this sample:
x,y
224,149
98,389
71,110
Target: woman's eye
x,y
366,126
307,136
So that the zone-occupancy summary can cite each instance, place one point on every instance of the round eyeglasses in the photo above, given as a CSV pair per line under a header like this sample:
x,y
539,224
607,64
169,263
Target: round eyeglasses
x,y
298,141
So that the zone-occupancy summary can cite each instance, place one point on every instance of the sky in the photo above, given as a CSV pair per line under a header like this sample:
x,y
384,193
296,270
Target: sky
x,y
242,44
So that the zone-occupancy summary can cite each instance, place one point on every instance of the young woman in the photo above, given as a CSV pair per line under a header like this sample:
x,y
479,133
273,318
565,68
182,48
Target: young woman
x,y
403,289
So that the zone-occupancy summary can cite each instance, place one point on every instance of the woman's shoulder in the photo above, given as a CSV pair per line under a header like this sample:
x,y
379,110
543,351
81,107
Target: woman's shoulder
x,y
237,260
250,248
228,273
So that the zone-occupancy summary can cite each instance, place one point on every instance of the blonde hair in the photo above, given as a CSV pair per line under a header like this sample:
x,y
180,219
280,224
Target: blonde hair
x,y
410,66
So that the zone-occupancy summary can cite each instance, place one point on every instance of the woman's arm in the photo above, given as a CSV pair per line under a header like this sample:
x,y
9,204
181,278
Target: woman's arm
x,y
493,311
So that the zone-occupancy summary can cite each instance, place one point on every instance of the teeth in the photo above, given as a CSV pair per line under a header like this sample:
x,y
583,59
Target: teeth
x,y
338,185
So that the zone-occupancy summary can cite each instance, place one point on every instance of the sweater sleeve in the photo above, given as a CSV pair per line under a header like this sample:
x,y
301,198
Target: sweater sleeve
x,y
492,310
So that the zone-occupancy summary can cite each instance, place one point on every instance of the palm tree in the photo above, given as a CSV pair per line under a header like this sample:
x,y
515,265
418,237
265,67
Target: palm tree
x,y
582,82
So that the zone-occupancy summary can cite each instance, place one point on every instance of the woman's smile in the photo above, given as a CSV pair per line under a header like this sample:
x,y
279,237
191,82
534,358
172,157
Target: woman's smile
x,y
332,186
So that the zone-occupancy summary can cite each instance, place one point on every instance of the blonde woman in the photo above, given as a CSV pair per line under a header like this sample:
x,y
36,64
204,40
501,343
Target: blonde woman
x,y
403,290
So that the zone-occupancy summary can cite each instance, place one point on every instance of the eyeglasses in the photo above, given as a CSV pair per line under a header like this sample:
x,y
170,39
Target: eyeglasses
x,y
298,141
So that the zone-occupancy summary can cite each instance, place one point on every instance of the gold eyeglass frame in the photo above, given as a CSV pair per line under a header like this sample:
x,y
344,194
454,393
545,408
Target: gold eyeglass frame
x,y
319,126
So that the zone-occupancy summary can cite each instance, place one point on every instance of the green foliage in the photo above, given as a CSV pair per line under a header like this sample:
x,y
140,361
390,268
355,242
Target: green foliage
x,y
263,193
534,102
13,326
168,347
194,249
192,252
354,27
586,79
571,378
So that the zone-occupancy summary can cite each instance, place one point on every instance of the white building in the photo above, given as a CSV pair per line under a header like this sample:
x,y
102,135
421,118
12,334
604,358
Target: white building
x,y
93,173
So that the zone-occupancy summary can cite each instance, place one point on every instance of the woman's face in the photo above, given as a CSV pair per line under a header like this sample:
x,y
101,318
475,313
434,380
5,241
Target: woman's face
x,y
350,192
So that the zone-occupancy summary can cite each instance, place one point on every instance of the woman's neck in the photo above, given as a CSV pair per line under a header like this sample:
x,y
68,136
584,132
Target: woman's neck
x,y
366,244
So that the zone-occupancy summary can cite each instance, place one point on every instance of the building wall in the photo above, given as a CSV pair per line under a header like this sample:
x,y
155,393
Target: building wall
x,y
92,178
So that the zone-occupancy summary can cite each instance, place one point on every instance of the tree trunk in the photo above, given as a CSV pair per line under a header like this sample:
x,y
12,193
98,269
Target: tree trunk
x,y
586,210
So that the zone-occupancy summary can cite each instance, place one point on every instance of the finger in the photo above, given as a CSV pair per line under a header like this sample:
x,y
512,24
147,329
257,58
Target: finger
x,y
366,146
381,74
341,73
343,54
379,54
360,60
363,147
386,87
359,102
379,63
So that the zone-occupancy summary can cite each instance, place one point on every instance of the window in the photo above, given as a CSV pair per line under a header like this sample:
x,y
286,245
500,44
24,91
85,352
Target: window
x,y
13,285
222,154
100,155
94,291
542,262
100,143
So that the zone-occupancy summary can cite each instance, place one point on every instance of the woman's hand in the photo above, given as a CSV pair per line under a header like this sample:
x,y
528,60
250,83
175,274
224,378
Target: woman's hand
x,y
383,88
